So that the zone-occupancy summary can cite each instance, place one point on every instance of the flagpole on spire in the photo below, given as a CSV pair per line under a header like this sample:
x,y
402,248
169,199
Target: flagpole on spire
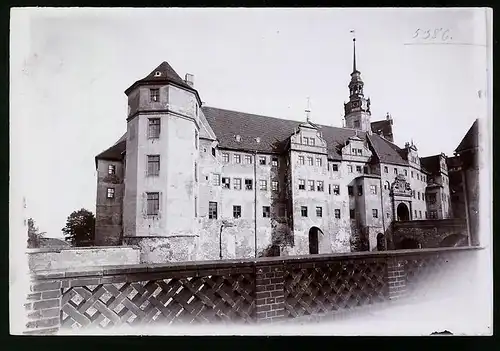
x,y
354,50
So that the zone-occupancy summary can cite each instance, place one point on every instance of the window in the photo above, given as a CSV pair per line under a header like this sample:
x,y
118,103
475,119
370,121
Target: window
x,y
329,189
154,128
418,193
413,193
387,186
337,213
195,172
349,168
336,189
266,211
311,141
365,170
426,215
237,158
216,179
274,185
274,161
305,140
319,185
360,152
303,211
262,160
319,211
374,213
301,160
418,176
263,184
423,196
153,165
111,193
111,169
350,190
213,152
433,214
360,190
335,167
358,169
226,183
352,214
154,95
411,174
237,183
196,139
212,210
415,213
356,124
318,162
248,159
420,214
236,211
225,157
310,161
395,171
406,172
373,189
248,184
386,170
302,184
153,204
310,184
388,215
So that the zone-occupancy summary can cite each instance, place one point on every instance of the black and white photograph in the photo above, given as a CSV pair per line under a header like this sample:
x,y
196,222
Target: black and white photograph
x,y
251,171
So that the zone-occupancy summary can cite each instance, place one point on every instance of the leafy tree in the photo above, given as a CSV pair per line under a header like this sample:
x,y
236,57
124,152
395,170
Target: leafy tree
x,y
34,234
80,228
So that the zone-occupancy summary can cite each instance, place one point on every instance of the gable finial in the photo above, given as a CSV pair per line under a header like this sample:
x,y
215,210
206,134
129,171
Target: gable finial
x,y
308,109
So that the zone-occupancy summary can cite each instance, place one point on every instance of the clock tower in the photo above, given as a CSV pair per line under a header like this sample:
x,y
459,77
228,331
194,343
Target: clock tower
x,y
357,110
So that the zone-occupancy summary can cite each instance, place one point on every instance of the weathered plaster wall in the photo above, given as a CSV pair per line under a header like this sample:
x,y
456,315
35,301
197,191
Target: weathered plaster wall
x,y
108,226
49,258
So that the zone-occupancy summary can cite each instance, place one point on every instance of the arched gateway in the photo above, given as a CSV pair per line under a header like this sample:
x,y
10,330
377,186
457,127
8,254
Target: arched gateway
x,y
402,212
314,240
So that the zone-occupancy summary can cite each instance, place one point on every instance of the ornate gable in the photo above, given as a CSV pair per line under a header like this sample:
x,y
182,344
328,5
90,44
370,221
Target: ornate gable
x,y
400,187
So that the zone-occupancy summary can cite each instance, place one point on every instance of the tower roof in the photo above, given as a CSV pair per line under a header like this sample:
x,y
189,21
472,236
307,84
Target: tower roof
x,y
354,69
164,73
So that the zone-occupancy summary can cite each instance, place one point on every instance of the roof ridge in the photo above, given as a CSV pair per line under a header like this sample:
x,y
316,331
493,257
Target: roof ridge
x,y
281,119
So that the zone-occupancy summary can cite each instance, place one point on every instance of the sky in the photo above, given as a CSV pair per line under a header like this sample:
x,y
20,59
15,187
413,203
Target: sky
x,y
70,67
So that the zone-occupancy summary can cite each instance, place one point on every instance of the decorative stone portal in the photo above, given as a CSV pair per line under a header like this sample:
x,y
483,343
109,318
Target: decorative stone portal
x,y
314,240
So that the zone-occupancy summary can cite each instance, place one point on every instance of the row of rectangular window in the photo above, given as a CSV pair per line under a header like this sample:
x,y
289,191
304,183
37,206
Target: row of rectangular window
x,y
249,159
419,176
226,183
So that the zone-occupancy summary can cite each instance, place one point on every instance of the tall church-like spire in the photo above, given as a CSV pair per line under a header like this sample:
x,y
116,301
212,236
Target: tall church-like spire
x,y
357,110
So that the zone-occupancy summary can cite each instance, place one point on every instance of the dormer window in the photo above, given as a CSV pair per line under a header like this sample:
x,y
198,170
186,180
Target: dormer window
x,y
305,140
311,141
157,74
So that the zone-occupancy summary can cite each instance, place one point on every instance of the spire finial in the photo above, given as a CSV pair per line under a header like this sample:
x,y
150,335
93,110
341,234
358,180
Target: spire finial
x,y
354,69
308,109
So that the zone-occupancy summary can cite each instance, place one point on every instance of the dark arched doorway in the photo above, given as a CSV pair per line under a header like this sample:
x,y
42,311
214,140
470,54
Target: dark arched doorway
x,y
408,244
454,240
314,240
402,212
380,242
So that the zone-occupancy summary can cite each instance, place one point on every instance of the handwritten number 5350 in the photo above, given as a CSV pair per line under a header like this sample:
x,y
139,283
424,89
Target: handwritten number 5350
x,y
437,33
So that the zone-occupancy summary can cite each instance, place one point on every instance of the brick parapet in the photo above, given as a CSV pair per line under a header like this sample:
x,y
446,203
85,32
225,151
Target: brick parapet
x,y
43,307
269,292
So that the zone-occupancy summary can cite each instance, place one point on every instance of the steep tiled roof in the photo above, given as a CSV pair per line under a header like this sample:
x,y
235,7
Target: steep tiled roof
x,y
470,139
167,75
114,153
273,132
431,164
384,127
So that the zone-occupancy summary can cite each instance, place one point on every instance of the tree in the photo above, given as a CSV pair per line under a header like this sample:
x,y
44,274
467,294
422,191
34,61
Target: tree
x,y
80,228
34,234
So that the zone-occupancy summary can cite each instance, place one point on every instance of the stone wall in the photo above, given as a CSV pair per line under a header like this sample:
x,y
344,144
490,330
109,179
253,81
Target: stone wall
x,y
50,258
428,233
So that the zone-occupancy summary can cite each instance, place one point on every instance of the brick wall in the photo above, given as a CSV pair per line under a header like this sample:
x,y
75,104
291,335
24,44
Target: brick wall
x,y
429,233
43,307
269,293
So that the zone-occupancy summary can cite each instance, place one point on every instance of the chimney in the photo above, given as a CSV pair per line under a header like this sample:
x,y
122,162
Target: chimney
x,y
189,79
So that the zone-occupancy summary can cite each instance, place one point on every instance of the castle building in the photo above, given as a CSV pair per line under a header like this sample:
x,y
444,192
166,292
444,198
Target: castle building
x,y
193,182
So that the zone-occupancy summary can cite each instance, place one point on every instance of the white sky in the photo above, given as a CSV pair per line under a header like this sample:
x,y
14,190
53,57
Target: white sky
x,y
70,67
